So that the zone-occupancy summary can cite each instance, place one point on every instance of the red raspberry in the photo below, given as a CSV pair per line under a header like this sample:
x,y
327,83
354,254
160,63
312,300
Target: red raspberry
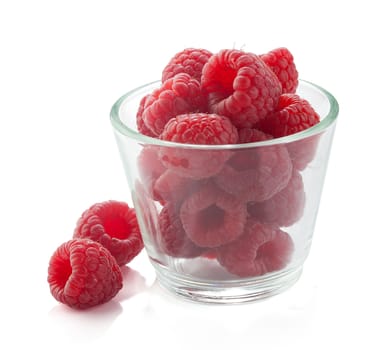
x,y
281,62
293,114
147,210
173,239
142,128
283,209
199,129
177,95
114,225
247,135
150,169
190,61
303,151
82,273
256,174
240,86
170,187
212,217
261,249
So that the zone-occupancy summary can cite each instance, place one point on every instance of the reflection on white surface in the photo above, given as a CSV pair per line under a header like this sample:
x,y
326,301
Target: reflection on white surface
x,y
93,323
174,322
85,325
144,306
133,283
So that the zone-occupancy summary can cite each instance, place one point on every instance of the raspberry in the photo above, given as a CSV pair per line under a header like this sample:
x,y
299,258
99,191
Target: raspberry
x,y
261,249
190,61
147,208
256,174
247,135
285,208
142,128
177,95
200,129
294,114
240,86
281,62
197,128
173,239
170,187
150,169
212,217
82,273
114,225
303,151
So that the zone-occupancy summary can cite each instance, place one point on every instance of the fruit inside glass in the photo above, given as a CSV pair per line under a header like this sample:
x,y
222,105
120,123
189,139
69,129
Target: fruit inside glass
x,y
229,223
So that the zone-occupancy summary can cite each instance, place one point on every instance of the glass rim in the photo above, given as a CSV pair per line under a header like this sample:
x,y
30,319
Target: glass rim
x,y
119,126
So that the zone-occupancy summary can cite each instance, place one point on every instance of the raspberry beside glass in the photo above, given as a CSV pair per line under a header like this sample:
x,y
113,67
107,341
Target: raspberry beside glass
x,y
85,271
227,192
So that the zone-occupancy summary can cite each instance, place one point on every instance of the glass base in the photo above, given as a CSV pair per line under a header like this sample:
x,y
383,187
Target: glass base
x,y
234,291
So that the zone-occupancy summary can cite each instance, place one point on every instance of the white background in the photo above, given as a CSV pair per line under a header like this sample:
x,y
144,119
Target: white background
x,y
62,66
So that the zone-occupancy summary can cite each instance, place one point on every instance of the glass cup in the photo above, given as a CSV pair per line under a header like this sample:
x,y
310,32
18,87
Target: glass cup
x,y
229,223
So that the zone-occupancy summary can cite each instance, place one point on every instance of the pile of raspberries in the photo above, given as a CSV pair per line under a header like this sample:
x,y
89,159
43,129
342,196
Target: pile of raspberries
x,y
226,203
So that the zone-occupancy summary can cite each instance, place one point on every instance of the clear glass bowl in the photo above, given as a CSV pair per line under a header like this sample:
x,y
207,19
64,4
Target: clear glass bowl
x,y
230,223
